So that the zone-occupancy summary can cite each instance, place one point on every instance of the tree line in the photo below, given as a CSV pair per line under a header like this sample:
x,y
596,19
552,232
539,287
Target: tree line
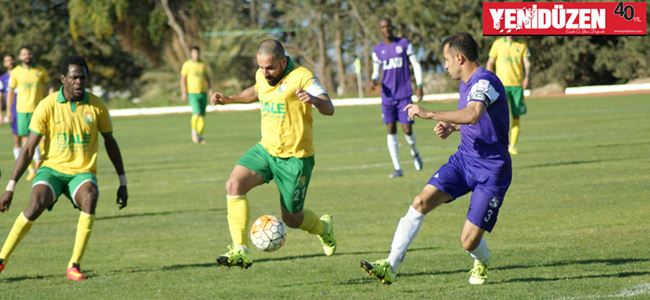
x,y
139,46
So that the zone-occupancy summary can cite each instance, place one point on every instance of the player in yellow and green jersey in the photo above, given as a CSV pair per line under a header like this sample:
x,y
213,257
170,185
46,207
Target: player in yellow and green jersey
x,y
286,93
195,84
69,123
31,83
511,58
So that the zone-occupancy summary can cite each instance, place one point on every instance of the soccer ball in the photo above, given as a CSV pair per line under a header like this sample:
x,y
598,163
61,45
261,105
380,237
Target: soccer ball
x,y
268,233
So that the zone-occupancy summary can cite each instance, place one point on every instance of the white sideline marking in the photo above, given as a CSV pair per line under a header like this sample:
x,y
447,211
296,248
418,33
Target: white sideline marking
x,y
637,290
594,89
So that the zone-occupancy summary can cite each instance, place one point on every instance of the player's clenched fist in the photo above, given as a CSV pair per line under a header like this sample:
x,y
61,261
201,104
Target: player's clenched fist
x,y
304,96
218,98
443,130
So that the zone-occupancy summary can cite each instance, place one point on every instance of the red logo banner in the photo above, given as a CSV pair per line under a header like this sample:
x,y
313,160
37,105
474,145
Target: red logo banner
x,y
564,18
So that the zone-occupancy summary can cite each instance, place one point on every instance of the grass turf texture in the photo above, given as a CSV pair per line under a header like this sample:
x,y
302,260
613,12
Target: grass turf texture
x,y
573,225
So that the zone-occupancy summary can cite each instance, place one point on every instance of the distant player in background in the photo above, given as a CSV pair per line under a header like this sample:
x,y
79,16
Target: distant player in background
x,y
481,164
286,92
393,55
9,62
511,58
31,82
195,84
68,122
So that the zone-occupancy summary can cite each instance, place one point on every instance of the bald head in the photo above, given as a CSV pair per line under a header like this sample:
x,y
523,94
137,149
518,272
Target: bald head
x,y
271,47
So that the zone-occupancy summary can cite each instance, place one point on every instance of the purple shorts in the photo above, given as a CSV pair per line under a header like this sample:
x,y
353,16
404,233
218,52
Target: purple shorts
x,y
488,180
392,110
14,123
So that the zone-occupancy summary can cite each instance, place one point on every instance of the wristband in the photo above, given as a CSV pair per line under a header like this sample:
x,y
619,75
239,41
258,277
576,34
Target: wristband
x,y
123,180
11,186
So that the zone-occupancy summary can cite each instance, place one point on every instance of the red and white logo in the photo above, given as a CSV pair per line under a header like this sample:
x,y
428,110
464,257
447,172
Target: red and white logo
x,y
564,18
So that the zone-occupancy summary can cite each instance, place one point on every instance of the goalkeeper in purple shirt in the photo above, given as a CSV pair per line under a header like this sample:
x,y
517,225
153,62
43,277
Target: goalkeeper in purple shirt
x,y
393,55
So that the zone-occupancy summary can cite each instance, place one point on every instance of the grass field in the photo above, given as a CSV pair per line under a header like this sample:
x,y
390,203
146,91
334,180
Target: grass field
x,y
574,224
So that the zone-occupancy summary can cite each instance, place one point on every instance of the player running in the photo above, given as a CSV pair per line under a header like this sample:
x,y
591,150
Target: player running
x,y
481,164
286,93
393,55
68,123
9,63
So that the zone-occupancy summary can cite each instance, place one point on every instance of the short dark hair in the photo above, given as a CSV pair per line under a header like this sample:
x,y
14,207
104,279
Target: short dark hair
x,y
25,47
10,55
195,48
463,42
73,60
272,47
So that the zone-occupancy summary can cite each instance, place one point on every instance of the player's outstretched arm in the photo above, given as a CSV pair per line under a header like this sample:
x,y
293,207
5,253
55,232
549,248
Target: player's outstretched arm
x,y
23,160
114,154
468,115
322,102
248,95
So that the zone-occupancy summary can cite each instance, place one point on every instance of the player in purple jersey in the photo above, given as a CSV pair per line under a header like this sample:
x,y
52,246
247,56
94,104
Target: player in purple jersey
x,y
9,62
481,165
393,55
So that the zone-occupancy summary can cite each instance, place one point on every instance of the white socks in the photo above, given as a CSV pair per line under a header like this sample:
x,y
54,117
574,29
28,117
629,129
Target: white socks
x,y
481,253
16,152
407,228
410,140
393,149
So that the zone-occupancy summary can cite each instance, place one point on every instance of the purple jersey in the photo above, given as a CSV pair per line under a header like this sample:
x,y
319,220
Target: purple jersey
x,y
396,76
488,138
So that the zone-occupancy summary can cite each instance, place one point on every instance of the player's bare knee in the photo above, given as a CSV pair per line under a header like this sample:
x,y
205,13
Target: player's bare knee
x,y
469,242
233,187
39,202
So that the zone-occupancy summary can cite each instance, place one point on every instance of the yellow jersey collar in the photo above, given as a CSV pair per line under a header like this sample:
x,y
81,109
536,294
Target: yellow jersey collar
x,y
61,99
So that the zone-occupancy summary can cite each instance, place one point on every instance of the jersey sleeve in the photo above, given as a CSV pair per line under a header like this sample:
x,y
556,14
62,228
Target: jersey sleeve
x,y
185,69
312,86
2,86
46,77
40,119
409,49
482,91
13,83
493,50
104,123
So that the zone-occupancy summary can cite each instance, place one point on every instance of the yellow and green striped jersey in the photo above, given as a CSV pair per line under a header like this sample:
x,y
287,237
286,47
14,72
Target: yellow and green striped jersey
x,y
30,83
509,60
287,121
70,131
195,74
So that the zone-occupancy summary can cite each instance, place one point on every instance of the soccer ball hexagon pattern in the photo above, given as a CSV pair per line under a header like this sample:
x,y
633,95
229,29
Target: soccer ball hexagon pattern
x,y
268,233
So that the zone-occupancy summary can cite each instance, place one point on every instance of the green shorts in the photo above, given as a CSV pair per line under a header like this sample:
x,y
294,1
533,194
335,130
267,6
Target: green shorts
x,y
515,96
198,102
60,183
22,121
291,174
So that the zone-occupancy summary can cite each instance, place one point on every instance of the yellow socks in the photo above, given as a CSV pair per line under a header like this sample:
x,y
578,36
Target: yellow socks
x,y
18,231
311,223
84,227
514,133
238,216
193,122
200,125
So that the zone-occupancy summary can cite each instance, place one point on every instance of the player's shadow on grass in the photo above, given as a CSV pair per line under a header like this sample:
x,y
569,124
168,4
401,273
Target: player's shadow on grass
x,y
571,162
155,214
608,262
283,258
22,278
